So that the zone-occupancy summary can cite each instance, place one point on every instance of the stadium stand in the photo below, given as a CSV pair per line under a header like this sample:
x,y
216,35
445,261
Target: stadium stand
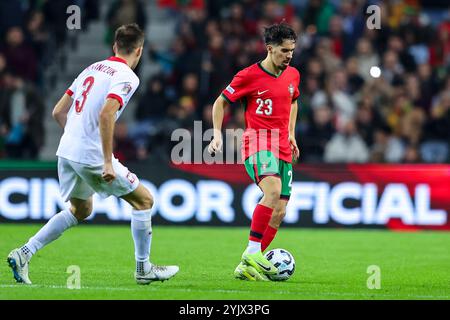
x,y
194,48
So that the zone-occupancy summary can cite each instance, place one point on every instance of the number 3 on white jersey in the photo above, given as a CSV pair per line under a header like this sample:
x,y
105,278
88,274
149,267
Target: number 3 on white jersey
x,y
261,103
87,85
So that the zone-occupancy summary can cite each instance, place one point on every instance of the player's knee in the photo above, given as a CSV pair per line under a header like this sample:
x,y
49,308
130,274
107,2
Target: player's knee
x,y
148,201
145,202
81,212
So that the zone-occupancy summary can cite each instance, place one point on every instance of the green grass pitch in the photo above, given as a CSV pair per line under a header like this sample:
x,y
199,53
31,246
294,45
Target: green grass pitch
x,y
331,264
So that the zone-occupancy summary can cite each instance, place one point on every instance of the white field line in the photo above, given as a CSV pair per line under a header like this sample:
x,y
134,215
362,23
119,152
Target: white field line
x,y
306,293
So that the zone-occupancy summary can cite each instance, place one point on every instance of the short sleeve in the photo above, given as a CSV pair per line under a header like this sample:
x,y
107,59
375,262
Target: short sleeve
x,y
122,88
238,87
70,91
296,90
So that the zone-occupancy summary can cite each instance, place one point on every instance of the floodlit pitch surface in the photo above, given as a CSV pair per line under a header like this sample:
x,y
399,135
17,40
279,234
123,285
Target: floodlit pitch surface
x,y
330,264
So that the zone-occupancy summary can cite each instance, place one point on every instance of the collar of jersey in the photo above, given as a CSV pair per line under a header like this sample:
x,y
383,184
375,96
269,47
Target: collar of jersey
x,y
117,59
268,72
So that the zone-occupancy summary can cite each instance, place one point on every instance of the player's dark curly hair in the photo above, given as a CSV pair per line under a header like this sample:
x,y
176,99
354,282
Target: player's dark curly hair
x,y
277,33
128,37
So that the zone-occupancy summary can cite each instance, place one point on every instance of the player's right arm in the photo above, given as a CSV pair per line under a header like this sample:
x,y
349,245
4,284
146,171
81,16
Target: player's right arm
x,y
121,90
237,89
217,118
61,110
106,124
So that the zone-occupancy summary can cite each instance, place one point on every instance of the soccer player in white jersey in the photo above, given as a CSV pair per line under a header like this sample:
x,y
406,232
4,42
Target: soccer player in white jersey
x,y
87,112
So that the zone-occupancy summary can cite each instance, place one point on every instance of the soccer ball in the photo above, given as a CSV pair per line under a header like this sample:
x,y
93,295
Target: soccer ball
x,y
283,261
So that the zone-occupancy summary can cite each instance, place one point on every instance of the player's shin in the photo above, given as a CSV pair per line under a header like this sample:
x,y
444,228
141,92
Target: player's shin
x,y
49,232
260,221
268,237
252,255
141,229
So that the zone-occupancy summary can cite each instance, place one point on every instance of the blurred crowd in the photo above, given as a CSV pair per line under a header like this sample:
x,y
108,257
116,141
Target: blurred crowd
x,y
32,34
345,114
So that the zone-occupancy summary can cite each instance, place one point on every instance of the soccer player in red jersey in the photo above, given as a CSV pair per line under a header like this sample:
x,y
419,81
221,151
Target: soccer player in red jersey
x,y
269,92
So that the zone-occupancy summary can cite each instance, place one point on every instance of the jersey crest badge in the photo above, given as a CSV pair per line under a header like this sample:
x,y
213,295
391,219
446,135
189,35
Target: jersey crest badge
x,y
291,89
126,88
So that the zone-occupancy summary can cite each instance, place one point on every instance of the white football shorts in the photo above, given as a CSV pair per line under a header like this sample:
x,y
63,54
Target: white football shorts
x,y
81,181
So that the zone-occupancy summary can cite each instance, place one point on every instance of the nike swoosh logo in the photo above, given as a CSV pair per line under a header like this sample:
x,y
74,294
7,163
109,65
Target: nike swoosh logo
x,y
259,264
20,261
260,93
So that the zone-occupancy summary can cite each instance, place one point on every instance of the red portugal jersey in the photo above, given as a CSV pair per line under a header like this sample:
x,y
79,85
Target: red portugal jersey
x,y
267,99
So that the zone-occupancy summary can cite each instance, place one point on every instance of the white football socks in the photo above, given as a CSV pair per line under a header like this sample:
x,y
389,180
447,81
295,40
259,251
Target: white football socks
x,y
141,229
253,247
49,232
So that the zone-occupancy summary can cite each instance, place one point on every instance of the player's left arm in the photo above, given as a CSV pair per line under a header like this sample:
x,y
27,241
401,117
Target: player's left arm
x,y
61,110
292,122
62,107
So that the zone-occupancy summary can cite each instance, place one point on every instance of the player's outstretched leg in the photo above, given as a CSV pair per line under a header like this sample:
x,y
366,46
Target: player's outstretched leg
x,y
271,187
18,259
141,228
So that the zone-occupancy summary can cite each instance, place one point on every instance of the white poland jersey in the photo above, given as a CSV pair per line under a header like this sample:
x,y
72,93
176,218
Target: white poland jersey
x,y
111,78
